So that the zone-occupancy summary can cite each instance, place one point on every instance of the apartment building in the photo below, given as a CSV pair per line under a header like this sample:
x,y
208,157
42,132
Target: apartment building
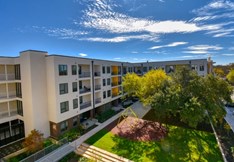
x,y
54,93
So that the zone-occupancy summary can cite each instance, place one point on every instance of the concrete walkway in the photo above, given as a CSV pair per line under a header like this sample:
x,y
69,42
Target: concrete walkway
x,y
230,117
137,107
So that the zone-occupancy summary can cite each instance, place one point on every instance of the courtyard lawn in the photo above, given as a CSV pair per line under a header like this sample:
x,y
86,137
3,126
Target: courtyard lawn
x,y
181,144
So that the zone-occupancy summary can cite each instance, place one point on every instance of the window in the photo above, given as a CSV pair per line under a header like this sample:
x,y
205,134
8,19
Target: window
x,y
150,67
108,81
194,67
108,93
144,69
80,70
201,67
74,87
64,106
62,69
104,82
74,69
81,99
75,103
104,94
63,88
64,126
108,69
75,121
103,70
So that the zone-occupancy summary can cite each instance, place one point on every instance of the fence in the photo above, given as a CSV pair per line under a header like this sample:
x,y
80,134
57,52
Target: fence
x,y
45,151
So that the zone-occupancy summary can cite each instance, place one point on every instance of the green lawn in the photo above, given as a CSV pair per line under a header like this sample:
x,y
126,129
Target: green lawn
x,y
180,145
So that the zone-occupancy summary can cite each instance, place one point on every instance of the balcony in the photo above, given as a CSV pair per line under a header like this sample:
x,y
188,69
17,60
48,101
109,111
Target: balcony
x,y
98,100
119,83
6,114
114,73
115,95
97,87
85,90
3,95
114,84
2,77
84,74
97,74
10,76
85,105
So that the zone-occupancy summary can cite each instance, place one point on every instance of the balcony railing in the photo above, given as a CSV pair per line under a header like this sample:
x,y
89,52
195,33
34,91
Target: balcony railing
x,y
98,100
85,105
85,90
10,76
114,73
114,84
115,95
97,74
3,95
6,113
84,74
12,94
2,77
97,87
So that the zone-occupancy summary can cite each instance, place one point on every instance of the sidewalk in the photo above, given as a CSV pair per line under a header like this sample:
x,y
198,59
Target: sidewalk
x,y
137,107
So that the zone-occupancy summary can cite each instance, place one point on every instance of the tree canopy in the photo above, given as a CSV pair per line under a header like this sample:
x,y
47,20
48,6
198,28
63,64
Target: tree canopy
x,y
182,92
230,76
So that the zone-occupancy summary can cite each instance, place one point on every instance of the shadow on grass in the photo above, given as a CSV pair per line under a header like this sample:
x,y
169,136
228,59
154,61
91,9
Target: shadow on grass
x,y
180,145
96,137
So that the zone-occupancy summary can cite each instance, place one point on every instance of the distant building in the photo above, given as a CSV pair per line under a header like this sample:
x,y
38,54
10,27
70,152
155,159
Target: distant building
x,y
54,93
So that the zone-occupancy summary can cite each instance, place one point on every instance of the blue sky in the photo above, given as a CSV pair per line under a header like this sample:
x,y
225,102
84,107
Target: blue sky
x,y
120,30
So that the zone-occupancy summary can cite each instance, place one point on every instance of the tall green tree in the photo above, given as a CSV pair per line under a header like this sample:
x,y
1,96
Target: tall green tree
x,y
230,76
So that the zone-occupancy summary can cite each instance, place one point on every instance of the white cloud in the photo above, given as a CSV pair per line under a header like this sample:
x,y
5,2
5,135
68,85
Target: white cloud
x,y
117,58
204,47
228,54
101,16
134,52
210,8
169,45
82,55
144,37
231,48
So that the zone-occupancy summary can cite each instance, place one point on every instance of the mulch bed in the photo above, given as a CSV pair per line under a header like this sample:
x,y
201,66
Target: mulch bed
x,y
138,129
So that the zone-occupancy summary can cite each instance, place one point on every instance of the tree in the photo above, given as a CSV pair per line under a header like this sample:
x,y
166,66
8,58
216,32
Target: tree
x,y
230,76
219,71
131,84
34,141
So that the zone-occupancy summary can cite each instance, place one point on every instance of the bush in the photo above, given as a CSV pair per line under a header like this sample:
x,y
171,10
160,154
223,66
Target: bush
x,y
47,142
72,134
105,115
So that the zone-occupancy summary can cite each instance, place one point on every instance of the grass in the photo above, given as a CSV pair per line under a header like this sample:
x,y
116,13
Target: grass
x,y
181,144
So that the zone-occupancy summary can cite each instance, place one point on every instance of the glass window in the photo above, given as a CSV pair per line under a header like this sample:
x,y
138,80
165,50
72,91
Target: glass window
x,y
103,69
144,69
201,67
75,103
104,94
74,69
194,67
108,93
108,81
74,87
104,82
150,67
64,106
108,69
63,88
62,69
64,126
75,121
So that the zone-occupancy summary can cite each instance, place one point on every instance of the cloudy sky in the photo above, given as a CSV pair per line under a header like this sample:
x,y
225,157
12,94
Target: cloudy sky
x,y
120,30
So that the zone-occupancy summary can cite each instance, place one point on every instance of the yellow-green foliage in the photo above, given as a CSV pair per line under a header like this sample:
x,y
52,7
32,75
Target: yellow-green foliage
x,y
230,76
151,82
131,83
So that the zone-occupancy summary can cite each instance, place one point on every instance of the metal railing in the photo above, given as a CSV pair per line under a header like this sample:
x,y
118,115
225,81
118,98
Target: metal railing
x,y
85,105
84,90
45,151
7,114
2,77
10,76
97,74
3,95
84,74
114,84
97,87
98,100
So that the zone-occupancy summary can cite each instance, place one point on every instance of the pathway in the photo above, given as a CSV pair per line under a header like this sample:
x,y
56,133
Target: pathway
x,y
138,108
